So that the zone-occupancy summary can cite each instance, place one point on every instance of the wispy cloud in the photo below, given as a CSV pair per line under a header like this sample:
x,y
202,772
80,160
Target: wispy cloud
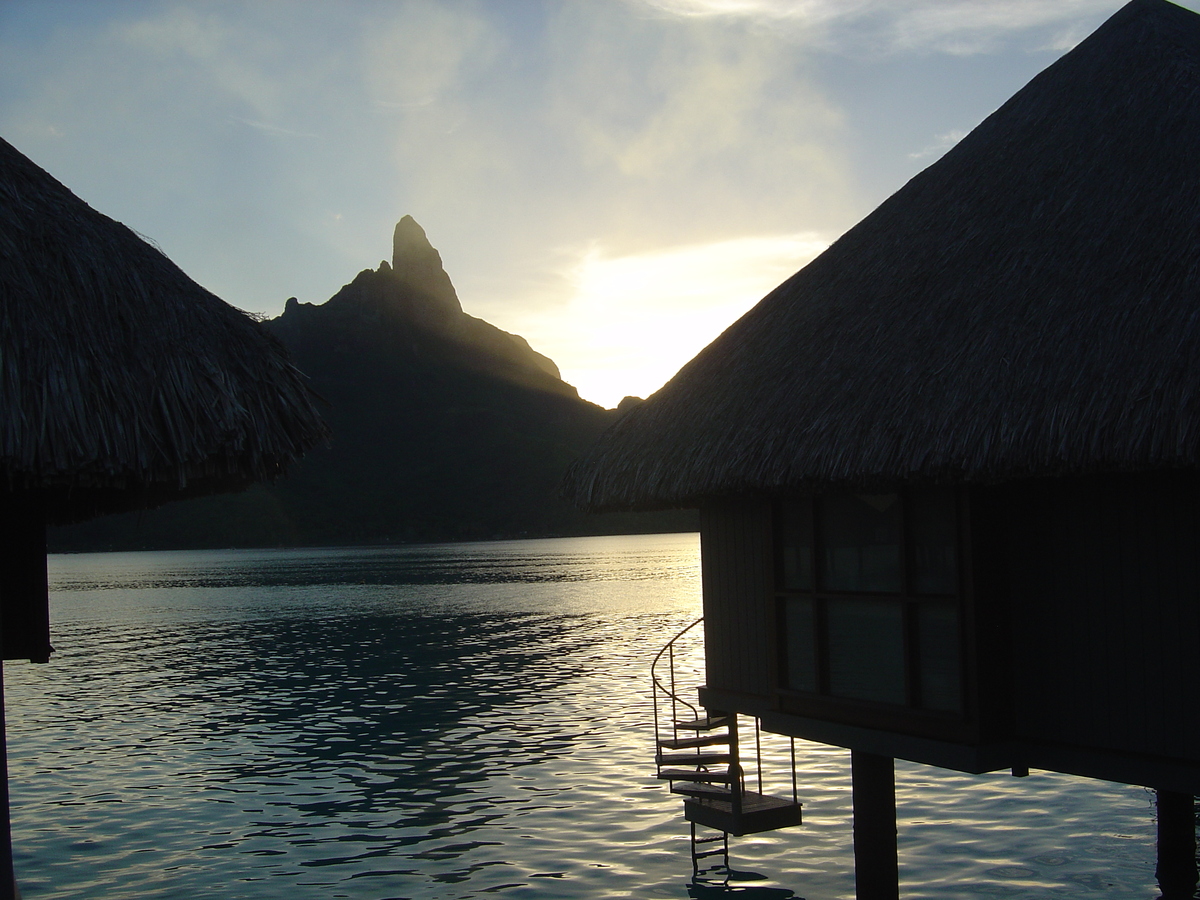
x,y
975,26
888,26
419,52
196,42
809,11
699,129
941,143
276,130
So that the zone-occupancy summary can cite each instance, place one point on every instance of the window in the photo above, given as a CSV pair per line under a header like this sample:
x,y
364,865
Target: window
x,y
867,587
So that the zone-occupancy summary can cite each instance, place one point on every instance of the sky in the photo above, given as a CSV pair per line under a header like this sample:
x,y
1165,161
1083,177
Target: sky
x,y
615,180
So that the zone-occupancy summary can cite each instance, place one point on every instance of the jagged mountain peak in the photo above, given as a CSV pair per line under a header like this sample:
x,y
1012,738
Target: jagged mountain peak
x,y
411,304
418,266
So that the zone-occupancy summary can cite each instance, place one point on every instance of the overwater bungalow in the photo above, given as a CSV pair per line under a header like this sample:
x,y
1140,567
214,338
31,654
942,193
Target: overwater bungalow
x,y
948,472
123,384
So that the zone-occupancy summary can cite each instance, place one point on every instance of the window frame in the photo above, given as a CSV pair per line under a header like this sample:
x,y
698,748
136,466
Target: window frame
x,y
910,716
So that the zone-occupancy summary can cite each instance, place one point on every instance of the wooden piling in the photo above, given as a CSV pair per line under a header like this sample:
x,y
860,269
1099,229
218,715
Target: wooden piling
x,y
876,873
1176,869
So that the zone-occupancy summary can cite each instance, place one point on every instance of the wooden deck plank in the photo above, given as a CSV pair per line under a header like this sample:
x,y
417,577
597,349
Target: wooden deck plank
x,y
705,723
692,759
693,775
704,740
694,789
759,813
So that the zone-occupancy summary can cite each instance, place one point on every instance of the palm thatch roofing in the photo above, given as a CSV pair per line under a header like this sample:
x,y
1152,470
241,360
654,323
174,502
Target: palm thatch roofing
x,y
1029,305
123,382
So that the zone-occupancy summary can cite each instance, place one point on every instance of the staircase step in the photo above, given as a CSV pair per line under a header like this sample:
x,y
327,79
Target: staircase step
x,y
691,759
693,775
704,740
710,840
701,791
704,854
705,723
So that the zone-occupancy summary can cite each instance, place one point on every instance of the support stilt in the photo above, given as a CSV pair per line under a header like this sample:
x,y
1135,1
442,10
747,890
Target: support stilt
x,y
1176,869
876,873
8,881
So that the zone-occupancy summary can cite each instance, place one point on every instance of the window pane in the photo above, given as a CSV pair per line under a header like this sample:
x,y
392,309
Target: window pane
x,y
800,653
934,542
860,540
866,649
941,676
794,522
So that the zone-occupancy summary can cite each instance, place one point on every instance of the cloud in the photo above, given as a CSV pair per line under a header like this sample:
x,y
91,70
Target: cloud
x,y
188,41
275,130
807,11
978,26
230,131
704,128
941,143
889,27
708,94
424,52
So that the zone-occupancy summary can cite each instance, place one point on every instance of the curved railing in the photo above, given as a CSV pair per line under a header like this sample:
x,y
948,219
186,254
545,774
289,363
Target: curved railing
x,y
668,689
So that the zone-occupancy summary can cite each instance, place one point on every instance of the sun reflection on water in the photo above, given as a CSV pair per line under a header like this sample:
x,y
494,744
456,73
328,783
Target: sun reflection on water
x,y
359,723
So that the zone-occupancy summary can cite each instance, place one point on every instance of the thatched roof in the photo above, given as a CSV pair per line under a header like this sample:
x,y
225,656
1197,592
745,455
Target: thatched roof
x,y
1028,305
122,381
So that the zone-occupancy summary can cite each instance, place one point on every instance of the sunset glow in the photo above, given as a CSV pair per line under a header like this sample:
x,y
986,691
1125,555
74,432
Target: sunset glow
x,y
648,314
616,180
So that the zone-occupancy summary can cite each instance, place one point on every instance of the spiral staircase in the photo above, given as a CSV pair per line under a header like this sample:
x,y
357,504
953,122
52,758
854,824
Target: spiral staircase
x,y
698,754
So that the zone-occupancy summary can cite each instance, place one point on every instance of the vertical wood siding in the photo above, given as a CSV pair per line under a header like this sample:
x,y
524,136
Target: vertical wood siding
x,y
736,564
1105,590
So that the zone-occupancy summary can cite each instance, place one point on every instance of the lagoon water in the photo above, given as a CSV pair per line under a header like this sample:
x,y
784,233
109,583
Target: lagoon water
x,y
449,722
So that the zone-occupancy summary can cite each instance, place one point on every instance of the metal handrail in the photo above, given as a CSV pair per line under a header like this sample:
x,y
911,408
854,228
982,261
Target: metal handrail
x,y
670,692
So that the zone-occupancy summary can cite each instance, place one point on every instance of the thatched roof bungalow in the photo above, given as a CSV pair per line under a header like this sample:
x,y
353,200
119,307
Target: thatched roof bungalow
x,y
1025,306
122,381
123,384
948,472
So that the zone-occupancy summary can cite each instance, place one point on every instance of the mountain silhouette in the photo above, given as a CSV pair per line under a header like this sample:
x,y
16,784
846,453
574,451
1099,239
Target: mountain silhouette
x,y
444,428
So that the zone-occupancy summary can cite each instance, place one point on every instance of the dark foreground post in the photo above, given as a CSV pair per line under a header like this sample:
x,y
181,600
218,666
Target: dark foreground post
x,y
1176,869
876,874
8,881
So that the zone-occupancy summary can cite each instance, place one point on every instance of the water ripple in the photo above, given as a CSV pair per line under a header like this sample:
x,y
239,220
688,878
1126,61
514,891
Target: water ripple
x,y
359,723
